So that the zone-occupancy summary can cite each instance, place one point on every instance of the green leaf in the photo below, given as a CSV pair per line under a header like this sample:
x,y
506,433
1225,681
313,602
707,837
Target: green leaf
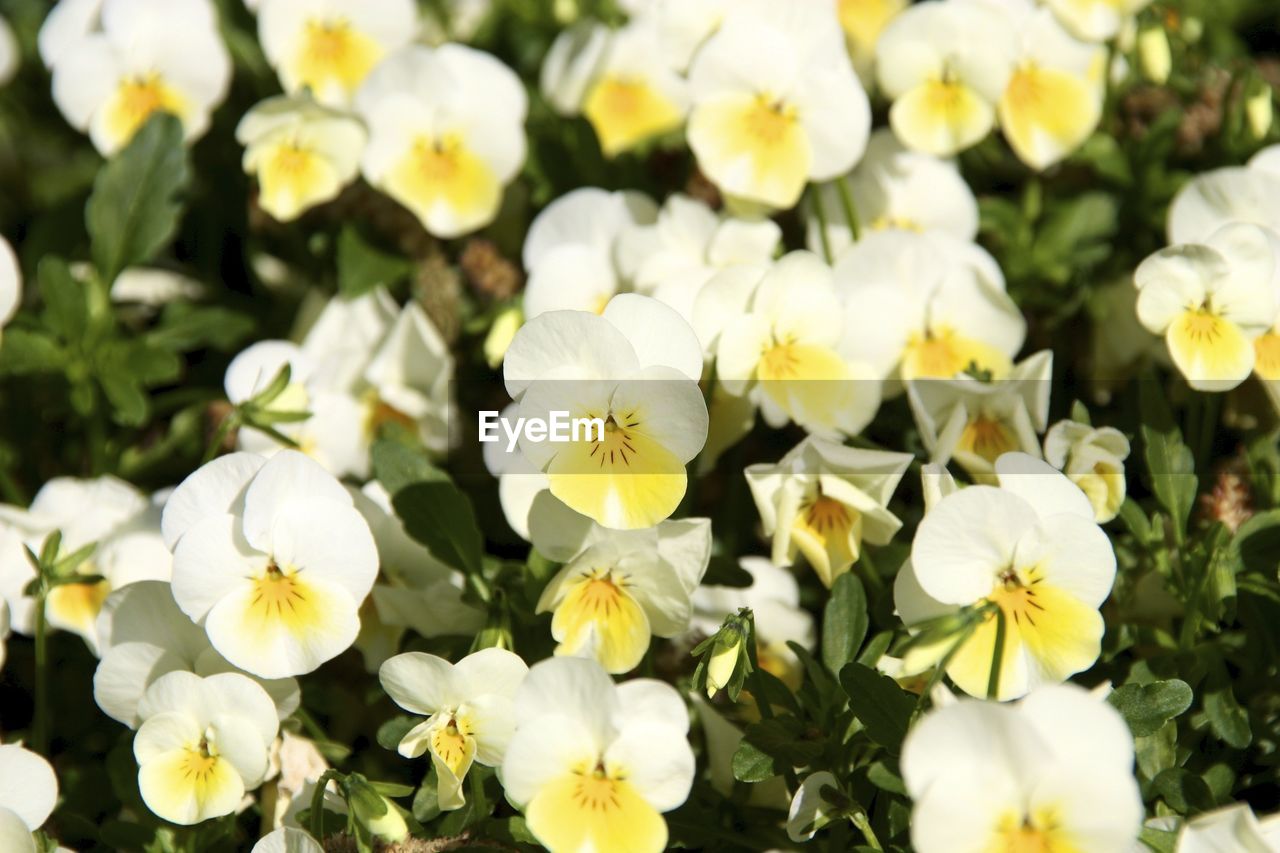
x,y
1257,542
24,351
66,308
426,802
1227,719
435,512
877,700
1184,792
1169,461
134,209
844,622
361,267
751,764
1159,840
184,327
393,731
1147,707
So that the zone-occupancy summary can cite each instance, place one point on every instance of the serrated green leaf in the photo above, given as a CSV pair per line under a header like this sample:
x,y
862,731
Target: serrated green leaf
x,y
1147,707
844,622
1170,463
135,205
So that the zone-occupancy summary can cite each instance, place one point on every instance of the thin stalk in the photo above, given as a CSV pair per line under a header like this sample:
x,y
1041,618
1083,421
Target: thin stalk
x,y
997,656
863,824
40,729
820,212
850,209
317,802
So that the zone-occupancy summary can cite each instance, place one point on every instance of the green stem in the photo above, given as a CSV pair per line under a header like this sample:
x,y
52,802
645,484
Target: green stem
x,y
997,656
863,824
850,209
40,733
317,802
820,212
762,701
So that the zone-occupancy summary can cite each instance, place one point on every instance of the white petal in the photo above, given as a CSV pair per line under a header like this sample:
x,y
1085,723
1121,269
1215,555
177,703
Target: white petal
x,y
287,476
212,560
557,341
966,540
1040,484
576,687
287,839
28,786
657,333
545,749
215,488
490,671
421,683
329,540
657,760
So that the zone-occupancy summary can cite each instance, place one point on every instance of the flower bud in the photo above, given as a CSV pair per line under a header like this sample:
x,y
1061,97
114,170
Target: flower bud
x,y
504,328
1154,56
1257,109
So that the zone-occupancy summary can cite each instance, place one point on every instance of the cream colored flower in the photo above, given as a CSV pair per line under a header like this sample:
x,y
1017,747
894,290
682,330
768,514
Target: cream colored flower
x,y
823,499
28,793
1093,459
446,134
303,154
116,64
331,46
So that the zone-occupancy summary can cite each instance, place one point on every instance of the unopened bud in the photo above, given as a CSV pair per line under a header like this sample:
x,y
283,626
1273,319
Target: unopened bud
x,y
1154,56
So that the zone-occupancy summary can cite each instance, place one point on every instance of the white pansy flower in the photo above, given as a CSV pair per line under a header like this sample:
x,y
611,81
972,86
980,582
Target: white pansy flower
x,y
1031,548
1093,459
895,188
10,283
774,599
330,46
570,249
863,21
28,793
1231,829
143,635
1053,772
634,96
974,422
202,744
780,338
635,367
117,66
823,500
302,154
760,129
272,559
1053,99
592,762
446,134
468,706
1096,20
287,839
67,23
671,258
1211,300
925,306
122,522
945,66
625,586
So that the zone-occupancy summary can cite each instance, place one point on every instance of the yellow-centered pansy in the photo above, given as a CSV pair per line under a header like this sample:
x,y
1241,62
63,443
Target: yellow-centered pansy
x,y
1052,773
1210,300
446,134
592,762
945,65
624,587
633,370
781,339
113,71
823,499
762,130
302,154
331,46
634,96
202,744
468,706
1093,459
1029,548
272,559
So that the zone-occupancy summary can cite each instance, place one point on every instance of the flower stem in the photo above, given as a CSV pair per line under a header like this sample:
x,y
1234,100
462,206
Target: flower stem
x,y
40,728
850,209
997,656
317,802
863,824
820,212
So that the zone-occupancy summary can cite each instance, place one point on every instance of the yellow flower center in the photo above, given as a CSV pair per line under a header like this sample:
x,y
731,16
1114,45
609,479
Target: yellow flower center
x,y
769,122
1018,598
450,743
1039,833
1267,352
280,596
333,51
987,438
600,615
135,99
624,111
826,516
942,353
77,605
